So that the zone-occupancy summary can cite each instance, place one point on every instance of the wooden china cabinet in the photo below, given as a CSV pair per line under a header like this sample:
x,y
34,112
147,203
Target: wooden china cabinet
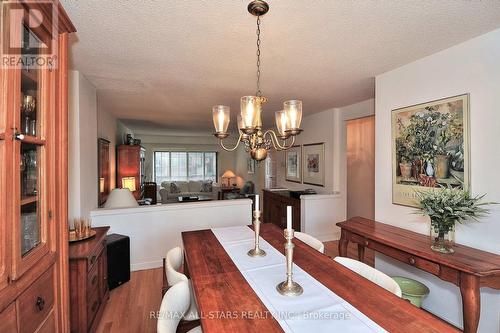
x,y
130,164
33,167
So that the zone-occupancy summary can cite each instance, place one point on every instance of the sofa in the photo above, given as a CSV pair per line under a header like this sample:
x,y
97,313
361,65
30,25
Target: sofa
x,y
171,190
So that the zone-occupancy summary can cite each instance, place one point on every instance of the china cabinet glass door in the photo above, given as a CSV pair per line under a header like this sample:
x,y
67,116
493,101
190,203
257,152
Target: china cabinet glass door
x,y
31,152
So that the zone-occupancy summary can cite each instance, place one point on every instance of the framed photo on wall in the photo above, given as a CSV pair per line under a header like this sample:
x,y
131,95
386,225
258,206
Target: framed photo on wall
x,y
430,148
293,164
313,164
103,171
250,166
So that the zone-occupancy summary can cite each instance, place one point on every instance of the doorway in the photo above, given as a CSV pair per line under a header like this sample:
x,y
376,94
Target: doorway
x,y
361,167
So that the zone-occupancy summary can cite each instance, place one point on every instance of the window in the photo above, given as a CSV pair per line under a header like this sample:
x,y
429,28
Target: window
x,y
185,166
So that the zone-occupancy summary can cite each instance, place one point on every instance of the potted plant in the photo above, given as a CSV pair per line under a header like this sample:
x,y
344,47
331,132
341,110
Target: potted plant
x,y
446,207
405,165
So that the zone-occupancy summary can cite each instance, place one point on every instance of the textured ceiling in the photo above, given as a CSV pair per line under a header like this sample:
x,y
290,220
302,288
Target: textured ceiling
x,y
164,63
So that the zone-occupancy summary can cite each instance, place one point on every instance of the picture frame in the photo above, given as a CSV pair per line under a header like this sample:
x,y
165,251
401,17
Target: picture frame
x,y
103,171
250,166
430,148
313,164
293,164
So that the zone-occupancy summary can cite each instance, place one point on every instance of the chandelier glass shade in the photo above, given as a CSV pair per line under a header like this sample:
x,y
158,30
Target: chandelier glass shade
x,y
257,142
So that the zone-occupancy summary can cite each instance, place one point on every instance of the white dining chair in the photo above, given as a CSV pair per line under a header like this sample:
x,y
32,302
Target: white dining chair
x,y
311,241
371,274
173,262
175,302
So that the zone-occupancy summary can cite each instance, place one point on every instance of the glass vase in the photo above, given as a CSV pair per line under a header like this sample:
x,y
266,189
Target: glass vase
x,y
442,240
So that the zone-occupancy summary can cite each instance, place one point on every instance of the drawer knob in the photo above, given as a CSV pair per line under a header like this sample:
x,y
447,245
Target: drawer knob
x,y
412,261
367,243
40,303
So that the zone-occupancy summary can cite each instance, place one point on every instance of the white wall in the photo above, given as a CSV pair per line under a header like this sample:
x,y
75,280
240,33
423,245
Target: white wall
x,y
82,154
107,129
319,213
471,67
153,230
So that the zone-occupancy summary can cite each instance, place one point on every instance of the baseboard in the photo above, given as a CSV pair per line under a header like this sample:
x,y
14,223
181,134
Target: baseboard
x,y
331,236
146,265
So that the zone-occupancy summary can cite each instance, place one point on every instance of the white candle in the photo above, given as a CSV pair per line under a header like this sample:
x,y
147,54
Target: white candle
x,y
257,202
289,217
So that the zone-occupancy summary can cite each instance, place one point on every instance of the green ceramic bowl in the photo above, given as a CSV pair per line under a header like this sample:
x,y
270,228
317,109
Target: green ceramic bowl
x,y
412,290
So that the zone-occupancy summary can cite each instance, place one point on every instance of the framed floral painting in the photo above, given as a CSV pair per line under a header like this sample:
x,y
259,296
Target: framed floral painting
x,y
430,148
313,164
293,164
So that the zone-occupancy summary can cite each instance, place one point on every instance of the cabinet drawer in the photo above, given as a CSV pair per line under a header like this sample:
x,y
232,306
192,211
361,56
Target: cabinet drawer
x,y
93,280
407,258
93,302
49,326
94,258
8,319
36,302
103,274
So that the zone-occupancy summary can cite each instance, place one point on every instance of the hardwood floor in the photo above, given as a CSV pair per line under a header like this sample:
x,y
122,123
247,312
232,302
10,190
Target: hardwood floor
x,y
130,305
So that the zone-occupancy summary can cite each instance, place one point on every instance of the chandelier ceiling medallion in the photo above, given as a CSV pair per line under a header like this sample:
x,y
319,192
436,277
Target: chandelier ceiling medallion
x,y
258,142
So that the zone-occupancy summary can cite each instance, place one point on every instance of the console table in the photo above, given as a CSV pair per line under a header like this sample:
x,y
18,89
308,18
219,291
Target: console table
x,y
468,268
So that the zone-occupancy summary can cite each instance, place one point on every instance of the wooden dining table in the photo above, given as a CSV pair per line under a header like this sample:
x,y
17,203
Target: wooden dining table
x,y
227,303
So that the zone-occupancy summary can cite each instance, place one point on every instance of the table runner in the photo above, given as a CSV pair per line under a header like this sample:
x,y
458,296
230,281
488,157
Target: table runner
x,y
317,310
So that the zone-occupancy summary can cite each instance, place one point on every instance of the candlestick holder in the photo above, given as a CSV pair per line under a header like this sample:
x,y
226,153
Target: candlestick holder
x,y
289,287
256,251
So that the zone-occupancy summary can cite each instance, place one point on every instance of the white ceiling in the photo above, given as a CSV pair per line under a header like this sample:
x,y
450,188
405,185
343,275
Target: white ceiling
x,y
164,63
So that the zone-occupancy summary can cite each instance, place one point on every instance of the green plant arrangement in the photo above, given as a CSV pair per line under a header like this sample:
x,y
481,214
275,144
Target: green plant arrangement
x,y
446,207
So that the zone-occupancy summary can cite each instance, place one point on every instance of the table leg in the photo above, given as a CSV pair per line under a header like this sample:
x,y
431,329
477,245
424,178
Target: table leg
x,y
186,269
361,252
471,301
343,242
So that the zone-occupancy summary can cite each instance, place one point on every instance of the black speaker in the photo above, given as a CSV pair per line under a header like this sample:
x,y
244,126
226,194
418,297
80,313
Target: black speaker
x,y
118,247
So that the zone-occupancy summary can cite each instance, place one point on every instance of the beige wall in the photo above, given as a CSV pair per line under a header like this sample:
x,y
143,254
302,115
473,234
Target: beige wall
x,y
361,167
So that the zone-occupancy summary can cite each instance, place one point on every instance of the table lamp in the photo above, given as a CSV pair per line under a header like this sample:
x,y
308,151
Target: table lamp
x,y
129,182
228,175
121,198
101,185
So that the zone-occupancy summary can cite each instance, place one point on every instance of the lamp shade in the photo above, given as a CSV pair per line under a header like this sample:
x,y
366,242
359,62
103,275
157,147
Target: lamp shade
x,y
228,174
129,183
101,185
251,111
121,198
293,110
281,122
221,118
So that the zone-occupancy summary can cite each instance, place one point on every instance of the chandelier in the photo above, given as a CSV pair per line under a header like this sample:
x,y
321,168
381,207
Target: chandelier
x,y
258,142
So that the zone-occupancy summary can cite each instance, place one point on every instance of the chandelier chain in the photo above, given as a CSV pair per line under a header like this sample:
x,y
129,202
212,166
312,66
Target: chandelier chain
x,y
258,93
